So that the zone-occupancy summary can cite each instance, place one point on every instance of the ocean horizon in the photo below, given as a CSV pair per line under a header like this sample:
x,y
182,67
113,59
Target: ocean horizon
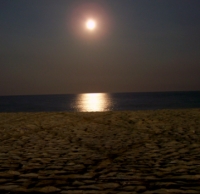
x,y
100,102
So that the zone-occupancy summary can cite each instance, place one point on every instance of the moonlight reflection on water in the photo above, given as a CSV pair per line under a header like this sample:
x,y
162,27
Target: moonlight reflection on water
x,y
93,102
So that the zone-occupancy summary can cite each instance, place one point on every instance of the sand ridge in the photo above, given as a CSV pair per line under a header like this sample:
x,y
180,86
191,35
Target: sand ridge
x,y
100,152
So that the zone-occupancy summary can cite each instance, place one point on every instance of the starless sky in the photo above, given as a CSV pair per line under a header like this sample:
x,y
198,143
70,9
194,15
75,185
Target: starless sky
x,y
137,46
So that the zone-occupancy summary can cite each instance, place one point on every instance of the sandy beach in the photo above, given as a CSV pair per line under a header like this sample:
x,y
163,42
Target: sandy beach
x,y
101,152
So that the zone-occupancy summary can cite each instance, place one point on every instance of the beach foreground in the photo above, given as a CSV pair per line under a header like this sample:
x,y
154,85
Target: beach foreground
x,y
103,152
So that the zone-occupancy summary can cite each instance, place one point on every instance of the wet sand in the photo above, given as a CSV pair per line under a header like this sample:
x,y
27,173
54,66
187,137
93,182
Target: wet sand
x,y
104,152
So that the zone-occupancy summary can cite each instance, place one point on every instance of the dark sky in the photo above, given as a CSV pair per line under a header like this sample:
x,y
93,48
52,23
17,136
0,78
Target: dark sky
x,y
138,46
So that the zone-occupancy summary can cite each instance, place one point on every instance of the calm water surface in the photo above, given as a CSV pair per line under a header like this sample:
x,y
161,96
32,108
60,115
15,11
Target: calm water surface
x,y
90,102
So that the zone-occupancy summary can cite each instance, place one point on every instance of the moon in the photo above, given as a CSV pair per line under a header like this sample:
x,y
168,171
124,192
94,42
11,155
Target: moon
x,y
91,24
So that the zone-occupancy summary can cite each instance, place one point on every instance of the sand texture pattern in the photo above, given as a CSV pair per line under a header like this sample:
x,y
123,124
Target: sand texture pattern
x,y
104,152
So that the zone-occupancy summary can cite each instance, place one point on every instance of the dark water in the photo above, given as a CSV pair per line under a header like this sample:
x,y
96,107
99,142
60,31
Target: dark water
x,y
100,102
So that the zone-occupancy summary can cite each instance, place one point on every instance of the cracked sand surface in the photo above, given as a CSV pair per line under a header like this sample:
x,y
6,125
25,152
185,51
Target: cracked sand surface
x,y
103,152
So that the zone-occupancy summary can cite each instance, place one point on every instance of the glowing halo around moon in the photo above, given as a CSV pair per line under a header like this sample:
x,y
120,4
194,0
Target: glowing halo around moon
x,y
90,24
89,21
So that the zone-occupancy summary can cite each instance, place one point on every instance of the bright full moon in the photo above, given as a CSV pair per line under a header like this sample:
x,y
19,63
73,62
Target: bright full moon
x,y
90,24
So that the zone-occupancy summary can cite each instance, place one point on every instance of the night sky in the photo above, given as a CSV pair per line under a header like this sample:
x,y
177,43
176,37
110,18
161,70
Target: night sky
x,y
138,46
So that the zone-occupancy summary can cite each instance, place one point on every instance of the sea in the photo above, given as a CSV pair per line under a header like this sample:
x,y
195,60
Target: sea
x,y
100,102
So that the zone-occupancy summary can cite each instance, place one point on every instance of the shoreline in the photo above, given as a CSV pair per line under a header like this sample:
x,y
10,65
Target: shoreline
x,y
146,151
